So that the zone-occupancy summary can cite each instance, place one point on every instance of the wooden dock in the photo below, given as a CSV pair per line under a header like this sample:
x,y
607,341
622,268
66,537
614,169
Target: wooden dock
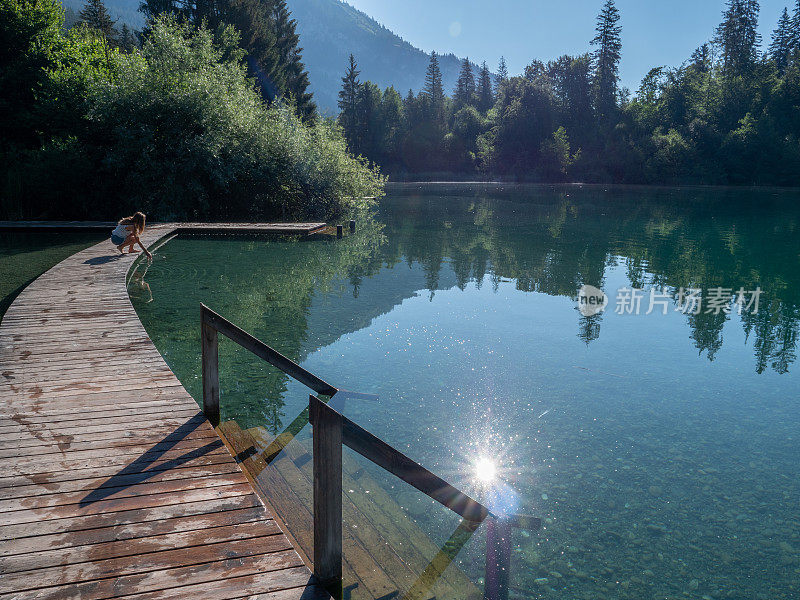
x,y
204,228
112,483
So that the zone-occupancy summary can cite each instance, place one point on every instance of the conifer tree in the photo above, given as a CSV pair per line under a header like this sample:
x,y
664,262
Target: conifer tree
x,y
127,39
348,102
464,93
96,17
485,92
502,72
780,48
701,59
794,32
433,91
737,36
289,59
606,58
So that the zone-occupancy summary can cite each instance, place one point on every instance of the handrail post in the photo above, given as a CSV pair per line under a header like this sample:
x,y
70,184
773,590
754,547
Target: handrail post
x,y
498,559
327,493
210,342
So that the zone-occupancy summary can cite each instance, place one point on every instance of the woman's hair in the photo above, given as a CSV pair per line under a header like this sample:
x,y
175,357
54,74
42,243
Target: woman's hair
x,y
136,219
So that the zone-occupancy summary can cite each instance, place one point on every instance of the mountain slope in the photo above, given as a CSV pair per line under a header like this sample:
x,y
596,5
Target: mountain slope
x,y
123,11
330,30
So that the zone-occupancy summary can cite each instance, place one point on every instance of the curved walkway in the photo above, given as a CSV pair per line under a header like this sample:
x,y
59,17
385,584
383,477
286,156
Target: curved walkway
x,y
112,483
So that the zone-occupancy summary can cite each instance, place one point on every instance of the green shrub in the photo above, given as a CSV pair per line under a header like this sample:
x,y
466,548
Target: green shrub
x,y
178,130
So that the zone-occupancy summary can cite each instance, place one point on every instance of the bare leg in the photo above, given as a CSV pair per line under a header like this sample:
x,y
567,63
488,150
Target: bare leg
x,y
129,241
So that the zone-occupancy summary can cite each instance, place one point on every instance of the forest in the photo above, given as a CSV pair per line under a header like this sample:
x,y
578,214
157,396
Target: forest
x,y
206,114
729,115
202,115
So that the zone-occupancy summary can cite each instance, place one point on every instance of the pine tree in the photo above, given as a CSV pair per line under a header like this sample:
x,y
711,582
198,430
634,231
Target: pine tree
x,y
96,17
502,72
780,48
433,91
127,39
794,34
485,92
737,36
464,93
348,103
606,58
701,59
152,8
290,61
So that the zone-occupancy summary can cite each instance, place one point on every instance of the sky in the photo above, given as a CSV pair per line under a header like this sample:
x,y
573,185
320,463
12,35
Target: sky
x,y
654,32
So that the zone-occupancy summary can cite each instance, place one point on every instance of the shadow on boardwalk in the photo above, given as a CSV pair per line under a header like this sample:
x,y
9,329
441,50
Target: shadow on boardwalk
x,y
138,471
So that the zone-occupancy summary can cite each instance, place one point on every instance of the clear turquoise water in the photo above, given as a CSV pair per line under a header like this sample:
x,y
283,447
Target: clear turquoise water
x,y
662,450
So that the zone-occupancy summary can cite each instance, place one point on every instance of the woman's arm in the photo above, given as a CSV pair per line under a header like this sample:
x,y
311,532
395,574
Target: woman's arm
x,y
141,245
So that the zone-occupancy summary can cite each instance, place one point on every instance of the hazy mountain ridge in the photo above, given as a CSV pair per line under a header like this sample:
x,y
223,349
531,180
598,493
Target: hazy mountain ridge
x,y
329,31
125,11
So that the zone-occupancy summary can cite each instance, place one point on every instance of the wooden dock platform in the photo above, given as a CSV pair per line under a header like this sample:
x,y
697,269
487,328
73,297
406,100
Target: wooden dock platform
x,y
205,228
112,483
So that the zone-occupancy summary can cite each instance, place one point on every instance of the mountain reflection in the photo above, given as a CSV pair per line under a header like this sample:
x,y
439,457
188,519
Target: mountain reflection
x,y
303,297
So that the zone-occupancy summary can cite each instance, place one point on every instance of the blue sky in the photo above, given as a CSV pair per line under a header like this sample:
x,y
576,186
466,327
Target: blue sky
x,y
655,32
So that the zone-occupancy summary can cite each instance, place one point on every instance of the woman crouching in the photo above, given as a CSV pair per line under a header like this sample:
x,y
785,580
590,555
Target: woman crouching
x,y
127,234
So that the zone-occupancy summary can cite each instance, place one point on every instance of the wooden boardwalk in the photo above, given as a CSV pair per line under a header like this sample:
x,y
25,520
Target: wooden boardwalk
x,y
279,228
112,484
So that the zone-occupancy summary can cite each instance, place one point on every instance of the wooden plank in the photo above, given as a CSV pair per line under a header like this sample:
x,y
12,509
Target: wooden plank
x,y
50,478
272,570
117,549
118,480
119,493
55,463
126,440
293,583
75,539
148,562
202,503
37,515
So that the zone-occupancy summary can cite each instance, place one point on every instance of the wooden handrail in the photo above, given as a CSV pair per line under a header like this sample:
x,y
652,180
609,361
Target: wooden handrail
x,y
260,349
331,431
398,464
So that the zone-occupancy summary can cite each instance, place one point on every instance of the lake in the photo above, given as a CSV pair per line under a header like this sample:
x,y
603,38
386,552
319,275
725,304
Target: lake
x,y
657,438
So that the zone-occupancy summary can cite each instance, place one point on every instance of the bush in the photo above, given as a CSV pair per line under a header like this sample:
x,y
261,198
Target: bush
x,y
179,130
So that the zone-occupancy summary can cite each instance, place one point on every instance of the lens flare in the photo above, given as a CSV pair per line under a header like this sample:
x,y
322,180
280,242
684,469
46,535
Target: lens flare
x,y
485,470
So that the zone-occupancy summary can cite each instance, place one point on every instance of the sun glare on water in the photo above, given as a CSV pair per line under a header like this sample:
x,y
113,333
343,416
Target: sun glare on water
x,y
485,470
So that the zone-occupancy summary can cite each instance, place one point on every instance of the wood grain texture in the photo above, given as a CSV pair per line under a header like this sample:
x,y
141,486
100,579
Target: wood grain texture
x,y
112,482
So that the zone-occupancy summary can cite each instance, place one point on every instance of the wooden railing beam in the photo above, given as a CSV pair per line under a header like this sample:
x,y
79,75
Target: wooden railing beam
x,y
327,475
210,353
260,349
498,559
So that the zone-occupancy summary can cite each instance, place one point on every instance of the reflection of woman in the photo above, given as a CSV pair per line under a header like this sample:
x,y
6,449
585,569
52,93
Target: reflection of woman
x,y
138,285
